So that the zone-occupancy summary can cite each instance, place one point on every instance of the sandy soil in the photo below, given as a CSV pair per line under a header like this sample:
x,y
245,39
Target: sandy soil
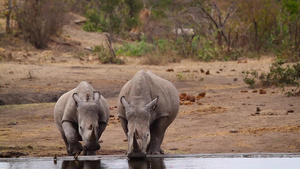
x,y
224,121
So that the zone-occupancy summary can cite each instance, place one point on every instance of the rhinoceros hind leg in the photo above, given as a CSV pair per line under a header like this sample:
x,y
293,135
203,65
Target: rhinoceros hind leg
x,y
157,129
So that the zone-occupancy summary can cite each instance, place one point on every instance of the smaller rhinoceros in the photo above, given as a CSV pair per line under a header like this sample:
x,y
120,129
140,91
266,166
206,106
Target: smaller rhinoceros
x,y
81,114
148,105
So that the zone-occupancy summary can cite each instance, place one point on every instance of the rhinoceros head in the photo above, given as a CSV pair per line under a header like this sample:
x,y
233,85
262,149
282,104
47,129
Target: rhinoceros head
x,y
88,123
138,117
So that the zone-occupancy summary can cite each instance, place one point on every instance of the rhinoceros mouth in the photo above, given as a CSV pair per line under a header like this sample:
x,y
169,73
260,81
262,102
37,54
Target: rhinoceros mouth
x,y
91,148
137,155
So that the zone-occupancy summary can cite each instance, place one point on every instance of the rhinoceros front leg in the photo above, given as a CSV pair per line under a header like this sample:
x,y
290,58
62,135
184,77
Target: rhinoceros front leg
x,y
71,139
124,123
157,130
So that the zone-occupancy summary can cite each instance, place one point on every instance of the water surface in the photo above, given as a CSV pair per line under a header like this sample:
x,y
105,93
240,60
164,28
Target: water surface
x,y
212,161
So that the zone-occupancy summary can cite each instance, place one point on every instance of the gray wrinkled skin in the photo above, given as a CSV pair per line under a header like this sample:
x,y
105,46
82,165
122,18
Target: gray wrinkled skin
x,y
148,105
81,114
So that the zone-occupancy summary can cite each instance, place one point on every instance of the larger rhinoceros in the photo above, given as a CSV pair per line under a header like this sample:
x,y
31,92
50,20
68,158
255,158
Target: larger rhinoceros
x,y
148,105
81,114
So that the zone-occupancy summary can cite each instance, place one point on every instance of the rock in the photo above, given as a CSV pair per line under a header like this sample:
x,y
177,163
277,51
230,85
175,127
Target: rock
x,y
235,79
262,91
202,94
89,48
79,22
233,131
192,98
170,70
182,96
258,109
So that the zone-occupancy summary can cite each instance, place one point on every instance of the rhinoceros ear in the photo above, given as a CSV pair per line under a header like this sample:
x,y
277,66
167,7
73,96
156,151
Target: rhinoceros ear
x,y
124,102
152,105
77,99
96,95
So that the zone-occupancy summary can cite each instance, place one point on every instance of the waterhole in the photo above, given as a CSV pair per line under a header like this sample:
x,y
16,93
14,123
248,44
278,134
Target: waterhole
x,y
203,161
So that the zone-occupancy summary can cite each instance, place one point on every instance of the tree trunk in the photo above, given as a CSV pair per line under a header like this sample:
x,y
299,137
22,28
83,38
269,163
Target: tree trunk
x,y
8,17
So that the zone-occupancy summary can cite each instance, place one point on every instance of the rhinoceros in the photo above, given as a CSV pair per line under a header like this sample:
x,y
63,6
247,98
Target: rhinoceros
x,y
148,105
81,114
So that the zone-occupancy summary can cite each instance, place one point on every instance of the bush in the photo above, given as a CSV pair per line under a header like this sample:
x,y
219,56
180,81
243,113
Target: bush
x,y
278,76
40,19
139,49
96,22
105,56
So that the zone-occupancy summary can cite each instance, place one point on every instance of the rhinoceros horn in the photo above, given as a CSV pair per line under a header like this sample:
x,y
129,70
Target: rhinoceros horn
x,y
93,135
135,144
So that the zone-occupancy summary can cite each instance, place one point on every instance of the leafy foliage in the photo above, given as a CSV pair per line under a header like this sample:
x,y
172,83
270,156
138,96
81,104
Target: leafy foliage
x,y
105,57
139,49
279,76
115,16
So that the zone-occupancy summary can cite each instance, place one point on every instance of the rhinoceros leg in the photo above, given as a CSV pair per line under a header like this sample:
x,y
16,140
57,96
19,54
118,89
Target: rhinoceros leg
x,y
124,125
157,130
71,138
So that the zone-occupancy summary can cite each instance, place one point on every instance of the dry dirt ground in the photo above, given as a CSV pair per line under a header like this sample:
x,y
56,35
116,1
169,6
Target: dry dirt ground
x,y
224,121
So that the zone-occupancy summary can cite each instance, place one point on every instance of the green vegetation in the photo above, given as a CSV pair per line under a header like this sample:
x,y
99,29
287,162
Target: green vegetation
x,y
138,49
105,56
279,76
114,16
216,30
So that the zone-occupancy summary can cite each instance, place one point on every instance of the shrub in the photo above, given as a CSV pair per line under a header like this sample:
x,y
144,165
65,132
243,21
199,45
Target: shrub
x,y
278,76
105,56
40,19
138,49
96,22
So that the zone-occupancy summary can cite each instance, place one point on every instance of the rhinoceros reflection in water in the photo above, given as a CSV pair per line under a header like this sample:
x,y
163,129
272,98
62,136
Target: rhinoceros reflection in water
x,y
149,163
81,164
